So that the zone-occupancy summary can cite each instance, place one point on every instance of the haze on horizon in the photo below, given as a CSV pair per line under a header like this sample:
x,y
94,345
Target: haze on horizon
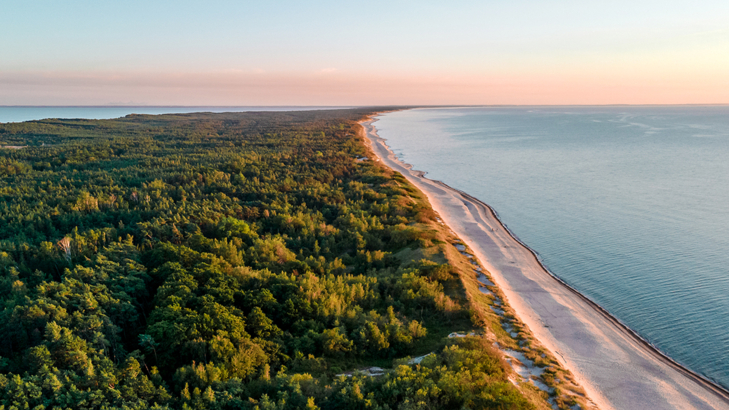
x,y
379,52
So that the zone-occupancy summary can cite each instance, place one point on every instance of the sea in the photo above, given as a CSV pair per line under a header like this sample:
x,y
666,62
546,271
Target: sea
x,y
30,113
627,204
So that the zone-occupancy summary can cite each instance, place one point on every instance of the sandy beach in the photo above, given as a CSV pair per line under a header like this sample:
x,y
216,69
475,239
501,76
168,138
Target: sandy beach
x,y
617,368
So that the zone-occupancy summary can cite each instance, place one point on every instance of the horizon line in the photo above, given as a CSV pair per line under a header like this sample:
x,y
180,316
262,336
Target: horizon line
x,y
360,106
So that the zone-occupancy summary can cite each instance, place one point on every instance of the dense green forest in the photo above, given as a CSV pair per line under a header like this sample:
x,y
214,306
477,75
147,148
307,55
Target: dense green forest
x,y
225,261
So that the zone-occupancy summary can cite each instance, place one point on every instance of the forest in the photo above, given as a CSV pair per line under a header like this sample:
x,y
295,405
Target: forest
x,y
226,261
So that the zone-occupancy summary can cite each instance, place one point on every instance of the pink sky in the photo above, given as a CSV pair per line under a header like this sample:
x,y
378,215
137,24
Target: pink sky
x,y
330,87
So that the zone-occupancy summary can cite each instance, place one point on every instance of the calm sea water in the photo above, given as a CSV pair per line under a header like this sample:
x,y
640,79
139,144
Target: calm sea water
x,y
630,205
22,113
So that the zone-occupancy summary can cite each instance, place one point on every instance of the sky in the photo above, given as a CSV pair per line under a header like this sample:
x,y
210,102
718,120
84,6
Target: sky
x,y
394,52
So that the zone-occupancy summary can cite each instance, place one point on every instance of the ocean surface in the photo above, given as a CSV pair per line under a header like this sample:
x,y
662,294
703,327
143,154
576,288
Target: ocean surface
x,y
628,204
26,113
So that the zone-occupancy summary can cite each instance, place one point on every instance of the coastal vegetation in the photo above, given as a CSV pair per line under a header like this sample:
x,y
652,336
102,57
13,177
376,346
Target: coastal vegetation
x,y
231,261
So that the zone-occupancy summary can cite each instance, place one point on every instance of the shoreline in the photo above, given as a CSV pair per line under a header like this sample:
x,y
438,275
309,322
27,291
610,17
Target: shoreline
x,y
614,364
722,392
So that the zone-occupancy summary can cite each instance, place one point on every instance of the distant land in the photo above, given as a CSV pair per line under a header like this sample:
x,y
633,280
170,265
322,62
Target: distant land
x,y
19,113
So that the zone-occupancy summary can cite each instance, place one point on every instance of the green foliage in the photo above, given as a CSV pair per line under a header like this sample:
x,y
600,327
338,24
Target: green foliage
x,y
187,261
10,167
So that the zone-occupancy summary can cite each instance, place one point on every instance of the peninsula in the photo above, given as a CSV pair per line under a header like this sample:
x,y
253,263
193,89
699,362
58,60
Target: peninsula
x,y
260,260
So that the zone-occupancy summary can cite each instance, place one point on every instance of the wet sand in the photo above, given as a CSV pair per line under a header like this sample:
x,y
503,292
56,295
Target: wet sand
x,y
617,368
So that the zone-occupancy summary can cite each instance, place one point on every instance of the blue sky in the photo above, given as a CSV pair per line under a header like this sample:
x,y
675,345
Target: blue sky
x,y
377,52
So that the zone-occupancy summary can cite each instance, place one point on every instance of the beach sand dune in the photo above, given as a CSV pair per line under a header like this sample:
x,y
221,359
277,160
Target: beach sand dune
x,y
617,369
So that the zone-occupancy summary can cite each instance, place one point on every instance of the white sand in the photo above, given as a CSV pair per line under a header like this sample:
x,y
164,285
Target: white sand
x,y
617,369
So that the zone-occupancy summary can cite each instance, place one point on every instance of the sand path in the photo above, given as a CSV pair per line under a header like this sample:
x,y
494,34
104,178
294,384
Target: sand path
x,y
617,369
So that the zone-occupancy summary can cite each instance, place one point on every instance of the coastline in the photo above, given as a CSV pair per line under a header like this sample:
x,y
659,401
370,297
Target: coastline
x,y
617,368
